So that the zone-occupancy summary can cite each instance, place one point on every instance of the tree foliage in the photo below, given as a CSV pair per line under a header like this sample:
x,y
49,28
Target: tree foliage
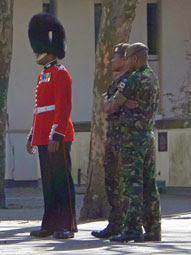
x,y
181,101
6,33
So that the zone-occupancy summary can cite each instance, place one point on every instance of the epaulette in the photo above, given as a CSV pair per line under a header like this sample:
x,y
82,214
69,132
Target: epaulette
x,y
60,66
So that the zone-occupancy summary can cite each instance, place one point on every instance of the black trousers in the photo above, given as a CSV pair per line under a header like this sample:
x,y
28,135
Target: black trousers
x,y
58,188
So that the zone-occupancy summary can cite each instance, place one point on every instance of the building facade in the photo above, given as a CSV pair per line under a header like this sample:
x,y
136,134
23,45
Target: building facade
x,y
162,24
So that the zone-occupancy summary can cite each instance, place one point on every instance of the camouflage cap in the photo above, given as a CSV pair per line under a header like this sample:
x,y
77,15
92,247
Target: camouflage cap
x,y
135,47
121,49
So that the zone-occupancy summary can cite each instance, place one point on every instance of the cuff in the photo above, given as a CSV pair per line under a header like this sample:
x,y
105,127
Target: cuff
x,y
29,137
57,137
54,135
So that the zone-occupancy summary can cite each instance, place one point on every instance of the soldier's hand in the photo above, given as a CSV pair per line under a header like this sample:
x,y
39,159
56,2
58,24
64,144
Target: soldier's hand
x,y
103,102
131,104
30,149
53,146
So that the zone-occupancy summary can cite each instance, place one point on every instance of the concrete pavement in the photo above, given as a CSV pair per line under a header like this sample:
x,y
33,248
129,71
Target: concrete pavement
x,y
15,240
25,212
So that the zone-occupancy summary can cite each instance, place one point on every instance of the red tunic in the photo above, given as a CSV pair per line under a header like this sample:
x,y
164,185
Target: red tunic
x,y
53,89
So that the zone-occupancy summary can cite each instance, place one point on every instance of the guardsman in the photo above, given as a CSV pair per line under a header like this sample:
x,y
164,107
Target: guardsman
x,y
52,131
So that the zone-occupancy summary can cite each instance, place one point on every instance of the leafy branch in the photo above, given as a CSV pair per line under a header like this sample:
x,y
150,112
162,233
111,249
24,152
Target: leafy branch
x,y
182,100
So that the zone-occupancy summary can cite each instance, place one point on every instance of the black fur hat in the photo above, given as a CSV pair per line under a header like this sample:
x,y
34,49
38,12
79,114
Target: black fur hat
x,y
47,35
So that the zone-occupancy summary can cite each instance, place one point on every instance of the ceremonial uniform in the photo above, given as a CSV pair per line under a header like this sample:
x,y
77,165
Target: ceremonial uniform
x,y
52,110
52,123
53,105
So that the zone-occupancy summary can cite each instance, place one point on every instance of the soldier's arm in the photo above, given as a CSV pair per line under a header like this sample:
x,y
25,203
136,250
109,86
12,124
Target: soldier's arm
x,y
63,106
104,103
116,101
30,149
120,99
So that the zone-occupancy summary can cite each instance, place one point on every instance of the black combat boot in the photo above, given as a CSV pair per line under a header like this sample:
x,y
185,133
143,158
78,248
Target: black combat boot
x,y
105,233
125,237
153,237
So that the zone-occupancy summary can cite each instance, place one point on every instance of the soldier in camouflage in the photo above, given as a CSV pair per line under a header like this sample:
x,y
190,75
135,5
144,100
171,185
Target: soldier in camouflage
x,y
137,149
112,147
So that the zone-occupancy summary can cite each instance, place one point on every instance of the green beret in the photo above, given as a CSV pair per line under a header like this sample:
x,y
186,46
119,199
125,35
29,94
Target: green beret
x,y
121,48
134,48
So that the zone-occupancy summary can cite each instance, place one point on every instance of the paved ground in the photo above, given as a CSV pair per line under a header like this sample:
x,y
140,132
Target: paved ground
x,y
27,204
25,212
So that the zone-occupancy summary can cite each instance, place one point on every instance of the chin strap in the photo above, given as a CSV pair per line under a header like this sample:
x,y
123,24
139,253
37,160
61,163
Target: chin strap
x,y
41,56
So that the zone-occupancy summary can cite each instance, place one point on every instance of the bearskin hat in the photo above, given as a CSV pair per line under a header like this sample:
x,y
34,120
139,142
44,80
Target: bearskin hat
x,y
47,35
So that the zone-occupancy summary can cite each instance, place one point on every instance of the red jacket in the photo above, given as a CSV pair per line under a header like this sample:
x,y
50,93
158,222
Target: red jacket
x,y
53,91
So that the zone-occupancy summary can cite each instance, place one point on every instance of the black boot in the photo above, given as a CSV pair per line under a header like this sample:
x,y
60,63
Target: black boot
x,y
155,237
105,233
124,237
65,234
41,233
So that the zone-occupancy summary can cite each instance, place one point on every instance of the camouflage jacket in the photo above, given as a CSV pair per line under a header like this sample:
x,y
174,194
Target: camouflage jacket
x,y
143,87
111,92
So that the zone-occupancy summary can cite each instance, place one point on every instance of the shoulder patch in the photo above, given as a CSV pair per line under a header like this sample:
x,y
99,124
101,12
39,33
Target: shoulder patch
x,y
122,85
60,66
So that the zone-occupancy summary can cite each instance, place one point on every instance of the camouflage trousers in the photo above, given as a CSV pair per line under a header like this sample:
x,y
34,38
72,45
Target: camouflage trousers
x,y
112,185
137,180
130,182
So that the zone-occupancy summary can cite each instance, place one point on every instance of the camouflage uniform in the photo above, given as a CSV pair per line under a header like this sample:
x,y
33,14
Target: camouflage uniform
x,y
112,147
136,167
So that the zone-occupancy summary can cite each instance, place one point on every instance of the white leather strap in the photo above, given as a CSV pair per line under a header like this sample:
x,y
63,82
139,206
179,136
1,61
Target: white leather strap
x,y
44,109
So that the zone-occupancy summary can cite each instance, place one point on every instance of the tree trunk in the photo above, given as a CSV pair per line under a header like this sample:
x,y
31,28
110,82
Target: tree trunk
x,y
6,32
117,18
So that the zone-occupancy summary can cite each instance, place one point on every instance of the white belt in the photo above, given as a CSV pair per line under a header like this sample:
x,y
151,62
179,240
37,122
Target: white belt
x,y
44,109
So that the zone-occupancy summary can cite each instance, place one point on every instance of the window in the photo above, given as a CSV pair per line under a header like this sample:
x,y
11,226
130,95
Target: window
x,y
97,20
48,6
152,28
